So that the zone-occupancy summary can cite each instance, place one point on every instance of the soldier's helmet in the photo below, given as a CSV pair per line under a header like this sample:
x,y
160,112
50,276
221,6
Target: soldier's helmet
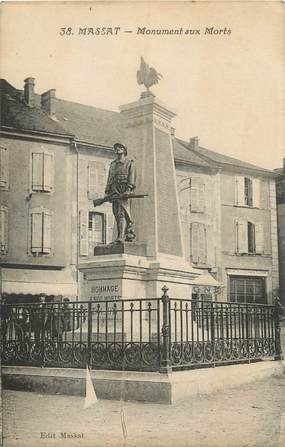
x,y
116,145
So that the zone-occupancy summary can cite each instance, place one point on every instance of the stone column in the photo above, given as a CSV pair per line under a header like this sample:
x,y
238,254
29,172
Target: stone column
x,y
147,135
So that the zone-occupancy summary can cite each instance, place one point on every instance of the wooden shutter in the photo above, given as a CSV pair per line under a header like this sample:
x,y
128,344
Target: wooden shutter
x,y
36,231
194,194
4,167
98,227
101,178
3,229
241,236
47,228
201,195
92,177
183,186
197,195
239,190
202,244
256,192
82,178
109,228
48,169
259,237
194,248
96,179
185,235
83,233
37,171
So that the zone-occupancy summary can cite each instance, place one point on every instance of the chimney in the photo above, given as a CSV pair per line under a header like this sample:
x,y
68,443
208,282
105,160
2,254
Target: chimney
x,y
283,171
48,100
194,143
29,94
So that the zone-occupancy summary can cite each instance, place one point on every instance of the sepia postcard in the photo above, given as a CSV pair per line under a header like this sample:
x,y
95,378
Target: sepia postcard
x,y
142,223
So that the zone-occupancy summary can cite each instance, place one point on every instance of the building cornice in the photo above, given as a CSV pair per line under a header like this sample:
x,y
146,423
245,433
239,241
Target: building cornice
x,y
11,132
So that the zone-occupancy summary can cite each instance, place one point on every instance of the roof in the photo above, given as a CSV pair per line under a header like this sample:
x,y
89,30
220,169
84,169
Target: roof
x,y
16,114
89,124
181,153
219,159
97,127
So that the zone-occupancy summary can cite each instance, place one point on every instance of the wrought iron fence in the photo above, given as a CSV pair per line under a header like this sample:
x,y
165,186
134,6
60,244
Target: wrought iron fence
x,y
157,334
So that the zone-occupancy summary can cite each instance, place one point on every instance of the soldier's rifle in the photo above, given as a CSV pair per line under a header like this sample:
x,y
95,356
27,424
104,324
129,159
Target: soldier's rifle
x,y
113,197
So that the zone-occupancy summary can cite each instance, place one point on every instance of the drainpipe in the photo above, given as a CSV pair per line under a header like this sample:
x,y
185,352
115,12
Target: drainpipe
x,y
77,218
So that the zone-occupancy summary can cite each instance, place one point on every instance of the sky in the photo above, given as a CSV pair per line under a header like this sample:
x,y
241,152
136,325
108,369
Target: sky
x,y
228,89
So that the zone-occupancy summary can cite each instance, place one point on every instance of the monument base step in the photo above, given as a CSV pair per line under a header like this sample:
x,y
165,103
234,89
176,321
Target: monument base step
x,y
138,386
130,248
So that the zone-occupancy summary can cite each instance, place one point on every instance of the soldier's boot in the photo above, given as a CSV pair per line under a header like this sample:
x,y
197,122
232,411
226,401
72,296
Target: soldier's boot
x,y
122,227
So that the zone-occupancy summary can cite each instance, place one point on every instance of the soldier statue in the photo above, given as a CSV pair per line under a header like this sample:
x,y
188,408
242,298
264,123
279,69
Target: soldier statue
x,y
120,188
121,183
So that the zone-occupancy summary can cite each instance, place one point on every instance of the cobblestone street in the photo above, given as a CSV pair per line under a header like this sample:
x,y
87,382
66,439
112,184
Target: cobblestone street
x,y
251,415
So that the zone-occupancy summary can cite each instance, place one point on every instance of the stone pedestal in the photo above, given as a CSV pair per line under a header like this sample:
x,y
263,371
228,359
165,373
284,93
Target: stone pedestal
x,y
116,276
147,136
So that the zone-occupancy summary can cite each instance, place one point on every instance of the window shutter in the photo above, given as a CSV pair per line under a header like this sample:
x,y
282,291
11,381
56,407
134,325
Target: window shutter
x,y
83,233
239,190
242,236
3,229
101,178
47,221
183,188
185,235
202,244
194,194
99,226
197,195
48,171
259,237
92,177
109,228
36,231
82,177
256,192
37,171
201,196
4,167
194,249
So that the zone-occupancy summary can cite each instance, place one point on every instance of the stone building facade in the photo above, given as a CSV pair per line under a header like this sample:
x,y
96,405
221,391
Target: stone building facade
x,y
54,160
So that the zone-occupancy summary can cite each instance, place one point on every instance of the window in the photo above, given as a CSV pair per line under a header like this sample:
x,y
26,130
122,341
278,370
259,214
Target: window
x,y
198,243
42,172
247,191
3,230
41,226
96,179
96,228
197,195
249,237
4,168
247,289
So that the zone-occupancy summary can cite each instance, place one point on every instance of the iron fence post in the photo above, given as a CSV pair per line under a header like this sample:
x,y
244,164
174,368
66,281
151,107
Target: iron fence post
x,y
247,333
278,348
212,326
42,346
89,334
165,366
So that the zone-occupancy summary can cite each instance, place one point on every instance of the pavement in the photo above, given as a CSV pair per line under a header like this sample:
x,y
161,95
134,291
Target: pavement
x,y
251,415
